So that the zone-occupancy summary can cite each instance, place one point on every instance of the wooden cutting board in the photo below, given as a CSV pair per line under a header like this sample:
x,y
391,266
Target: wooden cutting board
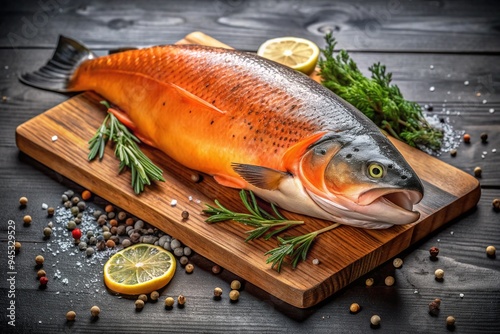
x,y
344,254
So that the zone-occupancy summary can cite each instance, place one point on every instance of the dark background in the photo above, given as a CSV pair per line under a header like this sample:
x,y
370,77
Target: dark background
x,y
460,39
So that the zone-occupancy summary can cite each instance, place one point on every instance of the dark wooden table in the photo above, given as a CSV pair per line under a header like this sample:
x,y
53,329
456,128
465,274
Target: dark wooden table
x,y
453,46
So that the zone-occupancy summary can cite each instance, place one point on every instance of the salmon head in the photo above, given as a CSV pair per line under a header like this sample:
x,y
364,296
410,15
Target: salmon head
x,y
360,180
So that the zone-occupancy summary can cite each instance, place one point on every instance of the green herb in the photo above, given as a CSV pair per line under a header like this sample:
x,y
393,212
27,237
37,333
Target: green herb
x,y
294,247
266,226
126,150
265,223
382,102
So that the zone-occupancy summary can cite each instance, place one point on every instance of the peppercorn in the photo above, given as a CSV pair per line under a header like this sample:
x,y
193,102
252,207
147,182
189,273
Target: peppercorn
x,y
466,138
216,269
189,268
17,246
217,292
106,235
354,308
121,215
76,233
111,215
27,220
490,251
44,280
129,221
50,211
234,295
389,281
109,208
94,311
47,232
139,304
450,321
484,137
375,320
434,307
110,244
41,273
453,152
235,285
181,300
143,297
23,201
154,295
86,195
397,263
75,200
478,171
496,204
185,215
71,225
183,260
169,302
71,315
369,281
89,251
439,273
434,251
39,260
101,245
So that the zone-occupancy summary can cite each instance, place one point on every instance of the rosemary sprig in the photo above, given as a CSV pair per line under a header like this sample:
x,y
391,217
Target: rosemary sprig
x,y
265,224
295,247
126,150
382,102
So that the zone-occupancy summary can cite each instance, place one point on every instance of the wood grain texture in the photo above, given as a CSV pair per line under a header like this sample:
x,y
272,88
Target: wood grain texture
x,y
350,252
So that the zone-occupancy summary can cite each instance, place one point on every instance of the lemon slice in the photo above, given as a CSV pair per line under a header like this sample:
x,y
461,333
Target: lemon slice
x,y
297,53
141,268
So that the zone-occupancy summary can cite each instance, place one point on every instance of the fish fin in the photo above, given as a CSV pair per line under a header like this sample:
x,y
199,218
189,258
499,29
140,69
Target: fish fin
x,y
294,153
123,118
261,177
228,181
193,100
56,73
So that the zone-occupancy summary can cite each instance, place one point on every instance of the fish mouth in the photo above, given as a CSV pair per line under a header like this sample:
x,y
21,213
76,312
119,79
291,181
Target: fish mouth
x,y
397,198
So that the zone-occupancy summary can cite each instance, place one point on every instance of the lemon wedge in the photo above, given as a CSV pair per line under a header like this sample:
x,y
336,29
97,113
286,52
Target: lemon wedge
x,y
297,53
141,268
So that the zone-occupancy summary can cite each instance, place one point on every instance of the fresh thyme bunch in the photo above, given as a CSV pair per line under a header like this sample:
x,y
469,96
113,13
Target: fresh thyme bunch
x,y
382,102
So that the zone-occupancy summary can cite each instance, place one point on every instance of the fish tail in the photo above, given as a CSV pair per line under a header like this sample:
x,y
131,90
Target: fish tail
x,y
55,75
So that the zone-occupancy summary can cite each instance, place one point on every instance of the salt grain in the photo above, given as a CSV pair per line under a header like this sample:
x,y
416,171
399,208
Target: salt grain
x,y
54,138
491,110
44,206
432,88
466,83
484,101
173,202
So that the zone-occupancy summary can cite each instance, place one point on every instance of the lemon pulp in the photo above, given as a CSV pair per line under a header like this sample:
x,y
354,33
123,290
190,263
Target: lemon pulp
x,y
297,53
140,268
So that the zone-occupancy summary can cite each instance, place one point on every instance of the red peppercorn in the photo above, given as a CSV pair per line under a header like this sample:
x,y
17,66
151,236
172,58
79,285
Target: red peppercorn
x,y
434,251
76,233
44,280
466,138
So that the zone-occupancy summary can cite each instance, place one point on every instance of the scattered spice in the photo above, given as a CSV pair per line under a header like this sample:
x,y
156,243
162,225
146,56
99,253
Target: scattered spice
x,y
467,138
217,292
86,195
47,231
185,214
439,273
23,201
76,233
181,300
41,273
235,285
354,308
189,268
369,281
315,262
71,315
169,302
17,246
389,281
44,280
50,211
484,137
434,307
216,269
496,204
478,171
453,152
110,244
154,295
234,295
450,321
143,297
375,320
139,304
491,251
39,260
27,220
434,251
397,263
94,311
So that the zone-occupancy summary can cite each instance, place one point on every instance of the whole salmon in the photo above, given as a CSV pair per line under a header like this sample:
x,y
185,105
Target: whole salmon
x,y
251,124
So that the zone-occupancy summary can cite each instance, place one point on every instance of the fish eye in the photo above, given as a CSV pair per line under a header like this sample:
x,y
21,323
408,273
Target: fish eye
x,y
375,170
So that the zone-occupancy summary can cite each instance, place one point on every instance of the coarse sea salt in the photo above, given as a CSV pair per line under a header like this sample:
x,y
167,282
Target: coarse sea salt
x,y
54,138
